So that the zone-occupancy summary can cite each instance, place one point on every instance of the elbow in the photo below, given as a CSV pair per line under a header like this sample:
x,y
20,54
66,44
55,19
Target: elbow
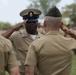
x,y
14,71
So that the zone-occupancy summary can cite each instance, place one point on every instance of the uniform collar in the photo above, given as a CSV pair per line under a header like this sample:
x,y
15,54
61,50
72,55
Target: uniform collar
x,y
24,33
53,33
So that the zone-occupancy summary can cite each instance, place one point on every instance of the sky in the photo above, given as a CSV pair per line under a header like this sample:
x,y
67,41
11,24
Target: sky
x,y
10,9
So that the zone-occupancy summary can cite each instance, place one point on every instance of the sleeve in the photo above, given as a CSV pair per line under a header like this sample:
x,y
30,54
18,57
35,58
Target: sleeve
x,y
72,44
31,56
12,61
11,38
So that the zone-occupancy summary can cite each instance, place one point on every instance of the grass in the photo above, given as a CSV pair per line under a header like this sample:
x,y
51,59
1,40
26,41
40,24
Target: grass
x,y
73,66
7,73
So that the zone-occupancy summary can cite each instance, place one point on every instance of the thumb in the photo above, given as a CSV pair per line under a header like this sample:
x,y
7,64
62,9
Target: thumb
x,y
25,21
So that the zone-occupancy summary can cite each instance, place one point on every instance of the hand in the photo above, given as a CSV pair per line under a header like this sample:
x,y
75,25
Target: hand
x,y
19,25
65,29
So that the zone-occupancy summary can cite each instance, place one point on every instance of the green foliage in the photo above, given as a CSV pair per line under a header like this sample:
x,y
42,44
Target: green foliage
x,y
43,5
7,73
70,12
4,25
73,71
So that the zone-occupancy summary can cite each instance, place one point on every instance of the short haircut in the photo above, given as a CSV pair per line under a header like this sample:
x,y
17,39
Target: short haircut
x,y
53,20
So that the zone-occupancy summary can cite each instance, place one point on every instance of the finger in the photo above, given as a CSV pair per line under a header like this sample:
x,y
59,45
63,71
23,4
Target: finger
x,y
25,21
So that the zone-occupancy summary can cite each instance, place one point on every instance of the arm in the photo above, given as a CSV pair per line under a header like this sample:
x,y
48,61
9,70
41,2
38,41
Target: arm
x,y
68,31
29,70
12,63
14,71
31,61
14,28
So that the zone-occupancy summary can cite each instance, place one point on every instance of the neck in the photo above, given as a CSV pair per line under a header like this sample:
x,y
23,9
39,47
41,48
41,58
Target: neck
x,y
48,30
34,33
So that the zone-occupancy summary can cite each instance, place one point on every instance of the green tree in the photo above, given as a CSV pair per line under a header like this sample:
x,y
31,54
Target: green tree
x,y
43,5
70,13
4,25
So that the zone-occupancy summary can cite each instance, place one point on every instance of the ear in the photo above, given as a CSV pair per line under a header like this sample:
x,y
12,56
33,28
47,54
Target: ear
x,y
44,23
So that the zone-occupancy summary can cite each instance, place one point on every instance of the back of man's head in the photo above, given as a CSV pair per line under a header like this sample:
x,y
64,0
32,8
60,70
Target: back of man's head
x,y
53,18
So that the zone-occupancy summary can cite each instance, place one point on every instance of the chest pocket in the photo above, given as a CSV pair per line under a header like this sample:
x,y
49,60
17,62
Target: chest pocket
x,y
23,48
22,54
